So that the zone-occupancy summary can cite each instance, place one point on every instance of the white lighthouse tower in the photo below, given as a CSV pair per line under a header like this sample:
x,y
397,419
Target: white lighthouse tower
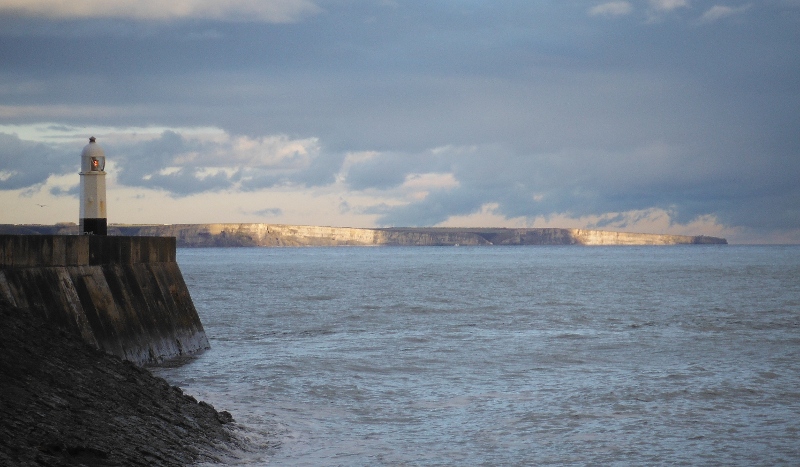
x,y
93,190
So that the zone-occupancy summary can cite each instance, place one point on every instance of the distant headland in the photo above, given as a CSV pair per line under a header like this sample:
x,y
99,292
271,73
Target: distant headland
x,y
276,235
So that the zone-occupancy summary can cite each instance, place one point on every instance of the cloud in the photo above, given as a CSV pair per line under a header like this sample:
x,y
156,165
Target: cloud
x,y
659,9
186,164
668,5
418,186
270,11
269,212
59,191
24,164
650,188
180,161
574,184
380,172
617,8
717,12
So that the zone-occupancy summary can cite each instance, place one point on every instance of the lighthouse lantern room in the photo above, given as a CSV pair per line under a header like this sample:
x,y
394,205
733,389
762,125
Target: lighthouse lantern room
x,y
93,190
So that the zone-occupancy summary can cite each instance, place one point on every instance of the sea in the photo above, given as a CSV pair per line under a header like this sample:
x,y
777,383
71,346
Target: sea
x,y
519,355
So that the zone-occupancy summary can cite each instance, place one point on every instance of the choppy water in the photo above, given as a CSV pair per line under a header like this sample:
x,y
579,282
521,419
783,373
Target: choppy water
x,y
502,355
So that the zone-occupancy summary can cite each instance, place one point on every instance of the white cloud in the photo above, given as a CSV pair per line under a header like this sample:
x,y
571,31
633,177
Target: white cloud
x,y
718,12
358,156
264,151
661,8
419,186
487,216
618,8
220,148
668,5
272,11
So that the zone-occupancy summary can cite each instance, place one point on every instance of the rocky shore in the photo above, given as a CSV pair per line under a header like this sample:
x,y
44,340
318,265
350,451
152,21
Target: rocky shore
x,y
62,402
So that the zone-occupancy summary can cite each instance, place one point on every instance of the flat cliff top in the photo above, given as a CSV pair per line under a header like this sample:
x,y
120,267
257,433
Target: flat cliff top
x,y
64,403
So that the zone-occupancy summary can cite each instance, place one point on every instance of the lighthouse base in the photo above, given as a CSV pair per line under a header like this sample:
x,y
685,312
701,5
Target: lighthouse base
x,y
94,226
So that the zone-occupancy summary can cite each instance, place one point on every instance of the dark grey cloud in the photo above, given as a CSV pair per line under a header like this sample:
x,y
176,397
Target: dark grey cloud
x,y
24,164
152,164
186,181
389,170
322,170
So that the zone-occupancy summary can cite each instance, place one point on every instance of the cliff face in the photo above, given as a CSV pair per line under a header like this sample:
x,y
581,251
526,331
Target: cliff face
x,y
216,235
219,235
600,237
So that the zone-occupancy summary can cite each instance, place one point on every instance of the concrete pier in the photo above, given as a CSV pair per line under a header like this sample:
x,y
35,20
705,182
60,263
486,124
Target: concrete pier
x,y
125,295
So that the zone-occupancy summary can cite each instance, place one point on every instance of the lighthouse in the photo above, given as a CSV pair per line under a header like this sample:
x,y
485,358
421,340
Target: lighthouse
x,y
93,190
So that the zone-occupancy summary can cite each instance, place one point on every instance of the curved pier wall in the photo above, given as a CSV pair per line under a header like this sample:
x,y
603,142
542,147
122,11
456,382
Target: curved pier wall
x,y
125,295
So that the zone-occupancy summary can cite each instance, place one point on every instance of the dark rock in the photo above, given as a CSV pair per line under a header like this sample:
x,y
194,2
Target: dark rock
x,y
225,417
64,403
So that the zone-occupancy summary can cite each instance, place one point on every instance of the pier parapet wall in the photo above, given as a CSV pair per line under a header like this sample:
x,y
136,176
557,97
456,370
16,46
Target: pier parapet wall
x,y
125,295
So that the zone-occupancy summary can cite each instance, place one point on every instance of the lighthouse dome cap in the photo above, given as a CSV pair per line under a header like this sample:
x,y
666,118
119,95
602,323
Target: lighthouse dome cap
x,y
93,149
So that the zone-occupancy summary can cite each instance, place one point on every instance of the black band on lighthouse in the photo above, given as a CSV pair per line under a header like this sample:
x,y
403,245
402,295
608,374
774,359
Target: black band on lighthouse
x,y
95,226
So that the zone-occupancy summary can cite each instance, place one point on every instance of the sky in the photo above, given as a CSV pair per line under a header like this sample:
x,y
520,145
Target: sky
x,y
656,116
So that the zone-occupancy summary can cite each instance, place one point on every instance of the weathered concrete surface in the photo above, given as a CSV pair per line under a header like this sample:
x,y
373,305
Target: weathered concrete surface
x,y
209,235
125,295
63,403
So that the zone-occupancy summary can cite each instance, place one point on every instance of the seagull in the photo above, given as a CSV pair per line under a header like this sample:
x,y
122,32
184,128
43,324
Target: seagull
x,y
41,205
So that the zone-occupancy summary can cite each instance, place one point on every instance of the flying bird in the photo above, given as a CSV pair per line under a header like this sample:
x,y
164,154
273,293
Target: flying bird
x,y
41,205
